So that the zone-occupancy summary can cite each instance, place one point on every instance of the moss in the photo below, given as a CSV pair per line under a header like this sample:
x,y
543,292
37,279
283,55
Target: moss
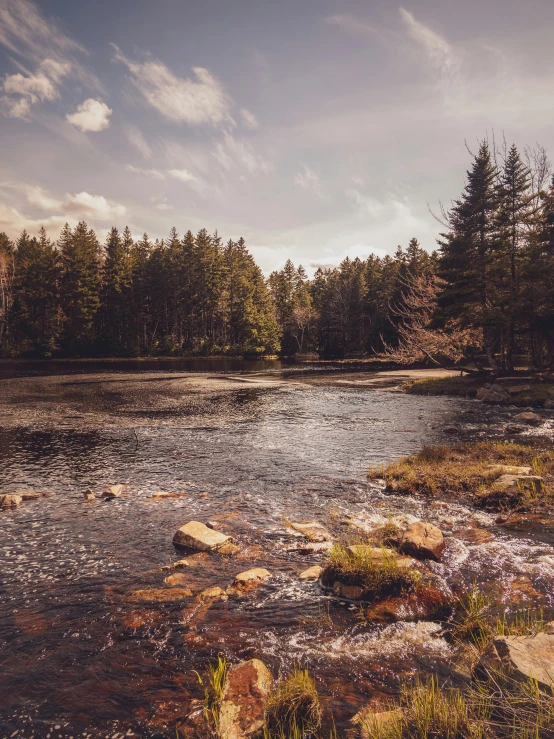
x,y
466,470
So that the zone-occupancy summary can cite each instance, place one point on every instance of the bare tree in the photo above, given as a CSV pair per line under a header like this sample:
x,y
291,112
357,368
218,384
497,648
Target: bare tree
x,y
417,340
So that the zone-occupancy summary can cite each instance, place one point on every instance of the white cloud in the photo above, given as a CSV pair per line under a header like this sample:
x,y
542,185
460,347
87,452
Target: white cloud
x,y
146,172
308,180
95,206
351,25
249,119
92,115
181,100
40,198
231,153
12,221
164,207
23,91
137,140
183,175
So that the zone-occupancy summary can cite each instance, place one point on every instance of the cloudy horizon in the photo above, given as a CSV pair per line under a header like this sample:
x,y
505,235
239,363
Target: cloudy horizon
x,y
315,130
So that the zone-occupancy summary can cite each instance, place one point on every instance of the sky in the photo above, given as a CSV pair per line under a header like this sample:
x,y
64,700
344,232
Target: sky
x,y
314,129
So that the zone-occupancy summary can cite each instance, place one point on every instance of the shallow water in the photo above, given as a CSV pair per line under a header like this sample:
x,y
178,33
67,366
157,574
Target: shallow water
x,y
77,659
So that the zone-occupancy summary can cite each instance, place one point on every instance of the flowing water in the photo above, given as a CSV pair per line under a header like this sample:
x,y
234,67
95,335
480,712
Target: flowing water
x,y
249,450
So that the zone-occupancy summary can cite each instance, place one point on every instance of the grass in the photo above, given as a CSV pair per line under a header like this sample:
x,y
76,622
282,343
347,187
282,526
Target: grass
x,y
293,709
213,694
379,578
467,387
465,470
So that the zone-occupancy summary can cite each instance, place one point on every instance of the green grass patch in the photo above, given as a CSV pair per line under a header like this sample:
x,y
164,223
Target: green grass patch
x,y
293,709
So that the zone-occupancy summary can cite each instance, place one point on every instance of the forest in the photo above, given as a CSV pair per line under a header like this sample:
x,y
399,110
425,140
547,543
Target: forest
x,y
484,296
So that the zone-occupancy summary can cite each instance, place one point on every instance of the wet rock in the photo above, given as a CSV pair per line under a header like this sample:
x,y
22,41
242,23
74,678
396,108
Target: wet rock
x,y
89,495
245,693
159,595
522,657
162,495
528,418
422,540
512,428
215,525
10,501
229,549
473,535
312,573
178,578
312,530
493,394
372,723
425,603
521,590
214,593
114,491
181,564
311,548
30,495
249,579
196,535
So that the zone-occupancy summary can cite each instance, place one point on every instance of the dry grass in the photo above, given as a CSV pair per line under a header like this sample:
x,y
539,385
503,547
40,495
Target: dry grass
x,y
467,387
293,710
465,470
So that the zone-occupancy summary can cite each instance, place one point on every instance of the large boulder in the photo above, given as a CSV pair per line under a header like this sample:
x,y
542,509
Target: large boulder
x,y
312,530
522,657
528,418
493,394
10,501
243,702
196,535
422,540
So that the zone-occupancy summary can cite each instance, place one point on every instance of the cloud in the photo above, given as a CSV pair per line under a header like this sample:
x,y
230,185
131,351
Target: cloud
x,y
12,222
92,115
351,25
40,198
183,175
308,180
164,207
180,100
249,119
23,91
356,251
146,172
137,140
95,206
231,153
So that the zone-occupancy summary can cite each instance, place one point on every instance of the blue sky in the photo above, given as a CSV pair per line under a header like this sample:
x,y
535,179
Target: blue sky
x,y
314,129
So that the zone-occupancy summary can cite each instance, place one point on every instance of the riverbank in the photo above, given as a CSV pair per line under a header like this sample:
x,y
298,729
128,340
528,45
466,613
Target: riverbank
x,y
535,391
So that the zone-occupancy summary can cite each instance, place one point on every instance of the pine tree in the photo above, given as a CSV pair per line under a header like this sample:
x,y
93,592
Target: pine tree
x,y
116,292
141,304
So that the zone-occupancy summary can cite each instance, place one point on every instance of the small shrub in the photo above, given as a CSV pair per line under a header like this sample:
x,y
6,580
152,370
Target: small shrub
x,y
293,710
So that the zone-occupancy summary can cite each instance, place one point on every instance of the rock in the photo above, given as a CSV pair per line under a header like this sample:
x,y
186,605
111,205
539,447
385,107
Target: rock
x,y
311,548
514,389
493,394
426,603
177,579
378,554
473,535
181,564
215,593
30,495
10,501
548,404
243,702
196,535
513,429
250,579
159,595
372,722
229,550
422,540
312,530
89,495
312,573
162,495
114,491
523,657
513,483
528,418
451,430
509,469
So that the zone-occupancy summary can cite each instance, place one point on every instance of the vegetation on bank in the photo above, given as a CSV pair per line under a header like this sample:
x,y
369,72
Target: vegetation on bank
x,y
535,393
468,471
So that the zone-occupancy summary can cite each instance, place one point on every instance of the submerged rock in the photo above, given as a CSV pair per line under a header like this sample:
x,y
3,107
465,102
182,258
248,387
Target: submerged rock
x,y
213,593
160,495
312,573
311,547
114,491
196,535
159,595
425,603
522,657
244,699
249,579
422,540
528,418
10,501
179,578
89,495
30,495
312,530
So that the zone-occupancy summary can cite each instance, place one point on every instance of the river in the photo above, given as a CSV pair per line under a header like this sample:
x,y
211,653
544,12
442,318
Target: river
x,y
249,446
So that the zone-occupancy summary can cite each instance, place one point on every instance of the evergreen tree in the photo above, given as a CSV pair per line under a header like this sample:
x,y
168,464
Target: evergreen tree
x,y
116,292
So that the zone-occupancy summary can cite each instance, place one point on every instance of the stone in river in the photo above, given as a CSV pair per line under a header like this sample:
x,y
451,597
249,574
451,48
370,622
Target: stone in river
x,y
523,657
229,549
312,530
179,578
312,573
30,495
159,595
114,491
89,495
250,579
244,699
161,495
422,540
528,418
10,501
196,535
493,394
214,593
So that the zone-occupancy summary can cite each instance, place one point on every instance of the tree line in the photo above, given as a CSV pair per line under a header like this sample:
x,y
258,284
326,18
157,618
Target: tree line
x,y
485,295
